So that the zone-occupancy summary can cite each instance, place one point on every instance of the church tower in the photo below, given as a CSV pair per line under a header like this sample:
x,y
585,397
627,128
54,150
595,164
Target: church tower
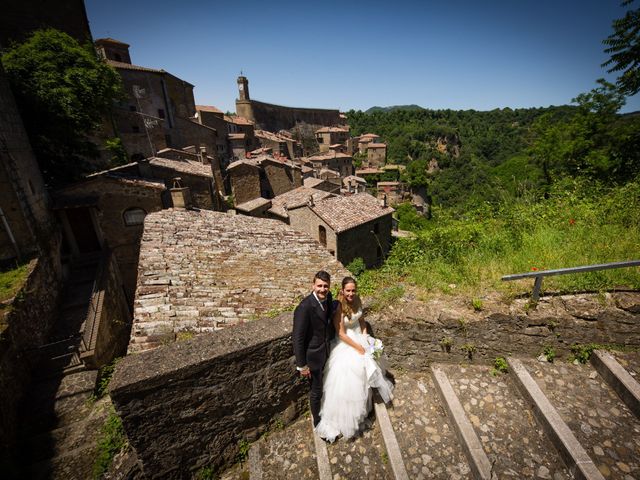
x,y
243,88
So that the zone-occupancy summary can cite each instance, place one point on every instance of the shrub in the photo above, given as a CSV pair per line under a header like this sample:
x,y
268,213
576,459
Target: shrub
x,y
111,441
356,266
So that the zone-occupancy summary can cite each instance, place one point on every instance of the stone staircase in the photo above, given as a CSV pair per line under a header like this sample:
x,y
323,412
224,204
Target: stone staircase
x,y
540,420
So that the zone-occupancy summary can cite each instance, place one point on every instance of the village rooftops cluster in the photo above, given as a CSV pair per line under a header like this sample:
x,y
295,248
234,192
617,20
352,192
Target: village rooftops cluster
x,y
295,198
200,271
346,212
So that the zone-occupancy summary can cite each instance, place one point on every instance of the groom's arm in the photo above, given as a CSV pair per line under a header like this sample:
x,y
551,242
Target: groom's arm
x,y
300,327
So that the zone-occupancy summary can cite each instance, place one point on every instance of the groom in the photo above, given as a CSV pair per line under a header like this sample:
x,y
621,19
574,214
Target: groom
x,y
312,331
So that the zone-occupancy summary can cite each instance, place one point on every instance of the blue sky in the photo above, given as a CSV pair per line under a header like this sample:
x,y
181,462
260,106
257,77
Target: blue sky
x,y
457,54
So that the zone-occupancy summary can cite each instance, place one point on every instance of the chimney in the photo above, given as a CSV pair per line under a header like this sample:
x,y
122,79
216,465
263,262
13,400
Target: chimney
x,y
310,202
384,201
180,196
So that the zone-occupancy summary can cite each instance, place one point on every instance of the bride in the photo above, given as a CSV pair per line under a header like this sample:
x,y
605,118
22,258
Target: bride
x,y
350,371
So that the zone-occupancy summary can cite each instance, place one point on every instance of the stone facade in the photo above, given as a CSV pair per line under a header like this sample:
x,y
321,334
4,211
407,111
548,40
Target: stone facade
x,y
23,199
245,181
394,192
188,405
274,118
222,270
263,176
376,154
281,176
336,161
279,144
329,136
348,226
112,199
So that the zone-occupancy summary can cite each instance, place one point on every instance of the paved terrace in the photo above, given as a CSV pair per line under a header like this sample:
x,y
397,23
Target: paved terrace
x,y
200,271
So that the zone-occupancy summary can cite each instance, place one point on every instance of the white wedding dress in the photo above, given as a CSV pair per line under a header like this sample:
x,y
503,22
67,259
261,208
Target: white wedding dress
x,y
348,378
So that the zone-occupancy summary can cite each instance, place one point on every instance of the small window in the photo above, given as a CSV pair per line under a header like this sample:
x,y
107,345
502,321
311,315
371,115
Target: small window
x,y
167,139
134,216
117,57
135,128
376,228
379,253
161,112
132,108
322,234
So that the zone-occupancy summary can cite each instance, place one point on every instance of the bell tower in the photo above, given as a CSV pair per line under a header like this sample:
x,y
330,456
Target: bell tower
x,y
243,88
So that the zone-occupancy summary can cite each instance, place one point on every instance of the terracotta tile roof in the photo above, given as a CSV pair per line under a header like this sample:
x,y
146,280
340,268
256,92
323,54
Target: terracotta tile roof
x,y
276,137
236,136
378,145
371,135
237,120
312,182
344,213
295,198
365,140
208,108
306,169
368,171
200,271
247,161
333,130
131,66
252,205
388,184
185,166
328,171
327,156
354,178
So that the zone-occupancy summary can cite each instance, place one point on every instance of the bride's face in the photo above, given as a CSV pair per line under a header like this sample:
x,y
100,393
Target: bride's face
x,y
349,292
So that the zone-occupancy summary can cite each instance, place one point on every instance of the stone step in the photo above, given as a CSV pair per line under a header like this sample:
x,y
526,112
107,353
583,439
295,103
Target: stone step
x,y
427,442
76,464
622,382
514,442
390,441
595,432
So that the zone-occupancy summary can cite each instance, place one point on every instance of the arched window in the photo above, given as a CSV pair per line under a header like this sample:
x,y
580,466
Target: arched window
x,y
134,216
322,234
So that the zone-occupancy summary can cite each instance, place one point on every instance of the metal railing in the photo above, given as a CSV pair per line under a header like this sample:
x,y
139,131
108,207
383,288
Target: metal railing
x,y
539,275
94,310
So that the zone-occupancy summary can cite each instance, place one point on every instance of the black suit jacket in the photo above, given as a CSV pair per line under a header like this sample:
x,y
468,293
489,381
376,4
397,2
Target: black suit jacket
x,y
312,331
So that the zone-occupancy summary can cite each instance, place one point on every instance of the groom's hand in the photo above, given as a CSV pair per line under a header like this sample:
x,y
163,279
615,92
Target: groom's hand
x,y
305,372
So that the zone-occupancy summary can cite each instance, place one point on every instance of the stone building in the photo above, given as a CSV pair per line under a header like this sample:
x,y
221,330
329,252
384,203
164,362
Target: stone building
x,y
279,206
392,192
24,215
221,271
328,137
274,118
354,184
338,162
213,117
327,185
279,144
264,176
159,110
348,226
106,210
376,154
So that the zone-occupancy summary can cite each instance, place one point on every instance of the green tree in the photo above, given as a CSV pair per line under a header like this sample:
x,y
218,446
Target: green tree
x,y
63,92
624,46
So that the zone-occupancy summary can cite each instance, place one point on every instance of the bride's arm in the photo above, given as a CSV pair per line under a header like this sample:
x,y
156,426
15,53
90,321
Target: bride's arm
x,y
339,325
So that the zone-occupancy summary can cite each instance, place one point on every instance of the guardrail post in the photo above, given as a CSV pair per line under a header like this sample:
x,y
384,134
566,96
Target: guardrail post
x,y
535,295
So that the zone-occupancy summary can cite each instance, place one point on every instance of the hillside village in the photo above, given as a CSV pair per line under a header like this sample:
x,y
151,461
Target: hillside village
x,y
216,219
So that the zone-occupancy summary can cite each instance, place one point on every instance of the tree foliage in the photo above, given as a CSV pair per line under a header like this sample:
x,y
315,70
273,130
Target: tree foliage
x,y
624,46
63,91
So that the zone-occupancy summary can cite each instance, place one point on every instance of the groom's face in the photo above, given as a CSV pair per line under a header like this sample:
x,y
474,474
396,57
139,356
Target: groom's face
x,y
321,288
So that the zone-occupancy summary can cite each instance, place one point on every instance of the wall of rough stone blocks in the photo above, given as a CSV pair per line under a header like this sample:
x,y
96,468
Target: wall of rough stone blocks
x,y
277,117
23,198
282,178
24,325
187,405
245,181
360,242
304,220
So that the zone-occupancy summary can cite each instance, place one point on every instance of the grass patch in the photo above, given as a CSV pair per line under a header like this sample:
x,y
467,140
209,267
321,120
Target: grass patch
x,y
111,441
467,254
12,280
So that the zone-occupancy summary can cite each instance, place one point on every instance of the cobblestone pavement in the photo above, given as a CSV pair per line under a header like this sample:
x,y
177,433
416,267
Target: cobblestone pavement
x,y
510,435
429,446
601,422
363,456
287,453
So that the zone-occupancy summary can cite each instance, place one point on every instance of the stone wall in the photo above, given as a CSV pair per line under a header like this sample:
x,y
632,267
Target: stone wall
x,y
187,405
413,332
305,220
281,177
273,118
23,198
361,242
24,325
245,182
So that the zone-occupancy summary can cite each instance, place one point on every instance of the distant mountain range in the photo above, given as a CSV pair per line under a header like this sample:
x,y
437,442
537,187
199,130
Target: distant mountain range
x,y
394,107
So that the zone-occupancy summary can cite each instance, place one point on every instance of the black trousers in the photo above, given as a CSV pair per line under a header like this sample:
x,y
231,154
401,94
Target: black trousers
x,y
315,396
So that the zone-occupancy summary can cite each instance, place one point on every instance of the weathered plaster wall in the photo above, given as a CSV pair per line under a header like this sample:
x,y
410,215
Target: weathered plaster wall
x,y
187,405
361,242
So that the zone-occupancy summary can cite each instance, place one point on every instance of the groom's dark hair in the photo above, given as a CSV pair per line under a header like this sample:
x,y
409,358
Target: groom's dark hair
x,y
322,275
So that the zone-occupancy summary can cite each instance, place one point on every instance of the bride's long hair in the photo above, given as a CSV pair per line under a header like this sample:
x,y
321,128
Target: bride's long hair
x,y
349,309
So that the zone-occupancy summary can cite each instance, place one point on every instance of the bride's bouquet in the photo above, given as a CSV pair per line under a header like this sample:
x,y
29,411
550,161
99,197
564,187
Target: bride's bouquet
x,y
375,347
